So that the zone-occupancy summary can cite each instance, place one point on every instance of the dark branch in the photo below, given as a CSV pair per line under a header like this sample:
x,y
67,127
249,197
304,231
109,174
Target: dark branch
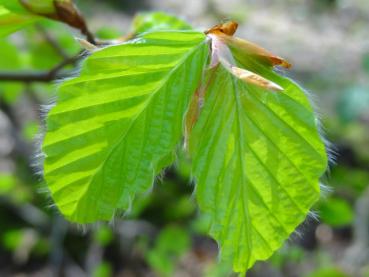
x,y
67,12
89,36
27,76
52,41
43,76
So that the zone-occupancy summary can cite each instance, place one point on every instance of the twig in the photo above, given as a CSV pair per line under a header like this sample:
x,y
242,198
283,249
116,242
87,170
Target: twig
x,y
27,77
68,61
89,36
52,41
43,76
67,12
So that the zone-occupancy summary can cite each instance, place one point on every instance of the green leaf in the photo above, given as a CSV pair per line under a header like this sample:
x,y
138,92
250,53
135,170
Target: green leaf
x,y
117,125
257,158
11,22
157,21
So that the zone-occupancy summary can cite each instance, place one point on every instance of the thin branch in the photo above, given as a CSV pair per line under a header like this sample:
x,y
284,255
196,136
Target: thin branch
x,y
67,12
52,41
43,76
27,77
89,36
68,61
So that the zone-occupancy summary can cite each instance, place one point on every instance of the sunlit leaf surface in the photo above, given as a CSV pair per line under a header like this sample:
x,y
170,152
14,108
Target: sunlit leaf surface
x,y
253,138
257,158
117,125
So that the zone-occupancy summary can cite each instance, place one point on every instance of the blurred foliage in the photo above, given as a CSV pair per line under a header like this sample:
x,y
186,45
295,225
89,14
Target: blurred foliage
x,y
102,270
30,50
327,272
148,22
108,33
170,245
10,60
218,269
11,22
336,212
287,254
14,189
7,184
130,7
349,180
103,236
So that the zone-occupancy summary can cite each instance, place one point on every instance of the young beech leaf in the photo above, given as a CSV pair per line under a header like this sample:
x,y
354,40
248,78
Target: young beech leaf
x,y
117,125
257,156
252,134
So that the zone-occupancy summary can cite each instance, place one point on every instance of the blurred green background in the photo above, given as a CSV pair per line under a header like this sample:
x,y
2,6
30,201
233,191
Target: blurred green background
x,y
327,41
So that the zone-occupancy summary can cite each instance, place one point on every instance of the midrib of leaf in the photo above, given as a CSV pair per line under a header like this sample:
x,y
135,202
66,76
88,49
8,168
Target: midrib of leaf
x,y
232,206
244,114
236,95
122,137
243,188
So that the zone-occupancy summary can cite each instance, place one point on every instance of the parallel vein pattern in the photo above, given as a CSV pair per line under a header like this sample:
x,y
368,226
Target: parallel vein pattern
x,y
116,126
257,159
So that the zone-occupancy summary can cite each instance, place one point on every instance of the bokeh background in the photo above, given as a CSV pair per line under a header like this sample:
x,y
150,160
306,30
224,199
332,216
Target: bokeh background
x,y
327,41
